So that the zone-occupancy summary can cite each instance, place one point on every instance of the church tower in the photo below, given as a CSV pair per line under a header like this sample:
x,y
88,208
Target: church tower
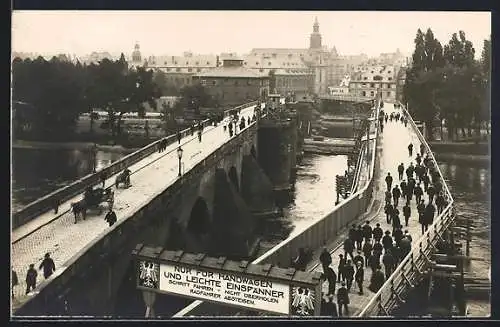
x,y
136,55
315,40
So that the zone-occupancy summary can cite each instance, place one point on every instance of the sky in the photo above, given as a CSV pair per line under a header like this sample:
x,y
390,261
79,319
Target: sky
x,y
213,32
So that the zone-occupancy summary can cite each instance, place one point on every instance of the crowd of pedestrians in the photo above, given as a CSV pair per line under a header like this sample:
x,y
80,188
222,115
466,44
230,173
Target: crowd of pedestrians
x,y
378,248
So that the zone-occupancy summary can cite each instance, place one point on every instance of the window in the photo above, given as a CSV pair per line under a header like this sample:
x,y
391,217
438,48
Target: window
x,y
198,70
261,70
166,63
365,78
214,82
208,62
256,63
168,69
269,63
235,83
389,94
389,72
363,93
190,70
372,85
203,82
175,63
372,93
187,63
177,69
390,78
363,84
244,63
197,63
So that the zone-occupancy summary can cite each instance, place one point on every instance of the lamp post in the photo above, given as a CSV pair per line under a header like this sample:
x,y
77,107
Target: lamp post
x,y
179,155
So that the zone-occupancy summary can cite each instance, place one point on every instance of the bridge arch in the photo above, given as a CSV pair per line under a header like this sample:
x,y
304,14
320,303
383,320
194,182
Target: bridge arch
x,y
233,176
199,219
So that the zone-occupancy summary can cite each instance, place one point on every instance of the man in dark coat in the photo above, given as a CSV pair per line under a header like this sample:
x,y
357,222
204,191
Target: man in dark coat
x,y
425,180
410,189
429,212
401,170
352,233
332,307
440,202
332,279
31,278
409,171
387,240
396,222
359,277
422,149
48,266
367,251
418,193
388,261
110,217
377,232
431,191
376,281
397,235
358,258
404,188
349,274
388,197
374,261
388,209
407,213
359,237
410,149
341,266
377,249
396,194
388,181
405,246
348,248
367,232
421,211
343,300
325,258
179,137
15,281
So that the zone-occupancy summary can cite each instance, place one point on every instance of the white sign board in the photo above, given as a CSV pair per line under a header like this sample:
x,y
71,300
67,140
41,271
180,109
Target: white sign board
x,y
228,288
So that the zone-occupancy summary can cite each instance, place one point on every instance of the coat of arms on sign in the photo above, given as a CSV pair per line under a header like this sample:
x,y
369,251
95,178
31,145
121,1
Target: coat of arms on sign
x,y
149,274
302,301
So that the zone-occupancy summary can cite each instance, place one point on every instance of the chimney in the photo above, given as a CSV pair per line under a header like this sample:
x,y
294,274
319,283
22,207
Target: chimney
x,y
217,62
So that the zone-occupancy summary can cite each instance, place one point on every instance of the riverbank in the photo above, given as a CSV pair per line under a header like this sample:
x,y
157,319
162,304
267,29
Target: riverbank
x,y
20,144
471,159
463,148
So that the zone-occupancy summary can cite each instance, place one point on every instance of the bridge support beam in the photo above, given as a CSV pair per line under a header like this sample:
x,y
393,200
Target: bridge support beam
x,y
256,188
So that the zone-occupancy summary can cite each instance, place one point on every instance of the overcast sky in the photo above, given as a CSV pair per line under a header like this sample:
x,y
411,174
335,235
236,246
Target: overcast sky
x,y
205,32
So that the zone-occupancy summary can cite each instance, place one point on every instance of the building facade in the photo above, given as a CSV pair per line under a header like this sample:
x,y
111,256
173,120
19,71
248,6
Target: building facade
x,y
233,84
178,70
368,80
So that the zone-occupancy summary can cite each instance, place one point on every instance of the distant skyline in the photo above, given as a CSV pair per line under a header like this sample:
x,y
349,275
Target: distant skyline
x,y
212,32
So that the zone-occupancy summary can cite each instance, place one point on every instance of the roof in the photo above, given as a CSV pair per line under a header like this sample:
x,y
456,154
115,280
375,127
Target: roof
x,y
369,73
291,71
183,61
231,72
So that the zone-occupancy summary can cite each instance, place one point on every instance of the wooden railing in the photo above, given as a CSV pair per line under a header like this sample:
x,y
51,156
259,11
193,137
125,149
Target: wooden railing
x,y
46,203
411,269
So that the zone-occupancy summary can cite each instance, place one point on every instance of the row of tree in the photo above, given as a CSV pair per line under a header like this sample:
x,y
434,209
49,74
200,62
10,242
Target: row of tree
x,y
49,96
446,84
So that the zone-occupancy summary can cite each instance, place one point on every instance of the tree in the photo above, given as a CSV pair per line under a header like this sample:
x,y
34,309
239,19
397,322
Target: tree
x,y
485,64
194,97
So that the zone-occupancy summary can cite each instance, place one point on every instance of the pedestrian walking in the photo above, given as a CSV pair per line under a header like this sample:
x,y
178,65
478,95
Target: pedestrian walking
x,y
378,249
405,246
388,196
388,209
440,202
410,149
55,205
47,265
367,232
374,261
396,194
341,266
407,213
387,240
422,149
418,159
377,233
418,193
358,258
31,278
15,281
388,181
359,277
421,219
410,189
359,237
343,300
376,281
404,188
431,191
426,180
396,222
325,258
331,277
367,251
349,274
401,169
388,261
110,217
408,236
429,212
348,248
331,307
352,233
398,235
179,136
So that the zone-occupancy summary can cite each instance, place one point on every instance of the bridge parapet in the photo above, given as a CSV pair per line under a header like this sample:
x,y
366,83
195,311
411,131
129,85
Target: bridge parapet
x,y
412,267
46,203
